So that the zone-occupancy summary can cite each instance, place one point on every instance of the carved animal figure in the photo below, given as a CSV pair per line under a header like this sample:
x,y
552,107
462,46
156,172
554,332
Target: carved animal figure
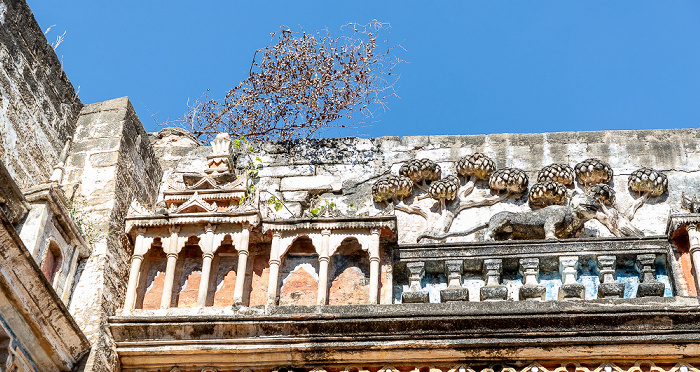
x,y
552,222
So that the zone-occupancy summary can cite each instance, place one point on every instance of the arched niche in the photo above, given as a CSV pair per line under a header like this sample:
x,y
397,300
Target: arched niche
x,y
52,262
150,289
348,274
255,292
298,284
223,276
188,273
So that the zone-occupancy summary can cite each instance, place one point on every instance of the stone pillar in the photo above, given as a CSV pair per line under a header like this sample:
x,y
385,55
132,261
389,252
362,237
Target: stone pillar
x,y
493,290
323,260
207,256
608,287
531,289
170,268
694,239
242,262
454,291
415,293
648,286
136,260
570,289
374,266
274,268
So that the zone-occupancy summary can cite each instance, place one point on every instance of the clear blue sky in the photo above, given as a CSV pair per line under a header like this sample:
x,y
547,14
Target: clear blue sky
x,y
474,66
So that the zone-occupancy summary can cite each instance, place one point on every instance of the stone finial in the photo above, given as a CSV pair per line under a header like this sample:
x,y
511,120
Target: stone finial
x,y
511,180
593,171
220,146
547,193
561,173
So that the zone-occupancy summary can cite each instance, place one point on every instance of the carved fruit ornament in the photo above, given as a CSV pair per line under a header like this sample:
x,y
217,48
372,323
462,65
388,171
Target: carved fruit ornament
x,y
444,189
561,173
593,171
646,180
510,180
391,187
476,165
420,170
547,193
603,192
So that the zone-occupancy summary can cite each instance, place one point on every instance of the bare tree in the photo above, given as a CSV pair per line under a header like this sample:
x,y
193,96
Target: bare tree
x,y
302,83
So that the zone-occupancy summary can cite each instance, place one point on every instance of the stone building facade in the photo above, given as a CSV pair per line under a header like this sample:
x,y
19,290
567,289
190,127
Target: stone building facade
x,y
132,251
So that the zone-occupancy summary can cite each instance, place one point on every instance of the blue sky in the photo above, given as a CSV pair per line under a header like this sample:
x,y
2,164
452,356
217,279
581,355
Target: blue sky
x,y
473,66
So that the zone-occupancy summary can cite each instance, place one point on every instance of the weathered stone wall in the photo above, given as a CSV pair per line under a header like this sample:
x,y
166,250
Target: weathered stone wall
x,y
111,163
38,105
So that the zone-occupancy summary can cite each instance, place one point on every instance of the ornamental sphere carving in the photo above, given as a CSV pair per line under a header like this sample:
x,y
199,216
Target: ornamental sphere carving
x,y
547,193
602,192
511,180
646,180
419,170
444,189
561,173
476,165
593,171
392,187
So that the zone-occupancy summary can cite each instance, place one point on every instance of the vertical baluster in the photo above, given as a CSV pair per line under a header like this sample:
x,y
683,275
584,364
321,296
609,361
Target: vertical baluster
x,y
570,289
531,289
608,288
415,294
454,291
493,290
648,286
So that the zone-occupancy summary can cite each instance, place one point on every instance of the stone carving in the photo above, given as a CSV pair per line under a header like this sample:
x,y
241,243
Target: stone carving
x,y
475,167
444,189
561,173
593,171
220,145
393,189
648,183
552,222
543,194
510,180
692,205
421,171
618,223
137,209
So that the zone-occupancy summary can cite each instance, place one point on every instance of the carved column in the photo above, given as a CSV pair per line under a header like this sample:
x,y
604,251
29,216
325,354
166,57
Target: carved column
x,y
570,289
648,286
415,293
207,256
493,290
242,262
694,239
374,266
454,291
608,288
136,260
323,260
274,268
170,268
531,289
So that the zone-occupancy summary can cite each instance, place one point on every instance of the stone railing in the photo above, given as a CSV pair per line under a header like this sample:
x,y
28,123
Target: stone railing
x,y
576,269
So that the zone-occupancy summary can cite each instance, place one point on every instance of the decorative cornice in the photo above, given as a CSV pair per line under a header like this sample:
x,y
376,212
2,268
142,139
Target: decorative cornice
x,y
676,220
331,223
249,217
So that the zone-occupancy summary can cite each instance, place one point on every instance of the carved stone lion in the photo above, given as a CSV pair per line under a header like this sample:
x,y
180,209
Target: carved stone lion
x,y
552,222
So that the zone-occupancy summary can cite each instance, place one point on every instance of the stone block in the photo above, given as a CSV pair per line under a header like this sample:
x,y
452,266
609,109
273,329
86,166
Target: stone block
x,y
417,297
611,290
572,292
321,183
287,171
104,159
532,293
454,295
493,293
651,290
